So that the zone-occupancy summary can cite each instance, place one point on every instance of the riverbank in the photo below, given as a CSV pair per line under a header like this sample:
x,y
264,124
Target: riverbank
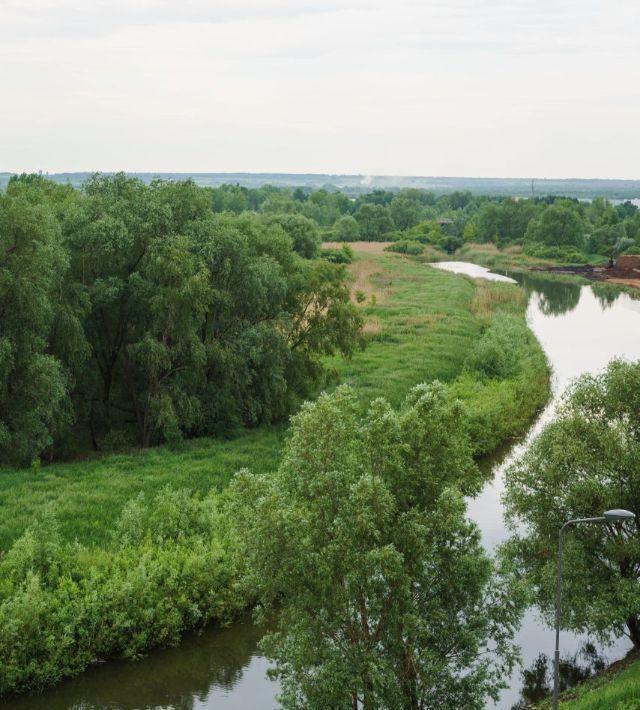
x,y
514,259
126,560
615,688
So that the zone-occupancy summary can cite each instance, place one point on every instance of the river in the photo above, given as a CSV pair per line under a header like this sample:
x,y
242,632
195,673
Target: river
x,y
580,328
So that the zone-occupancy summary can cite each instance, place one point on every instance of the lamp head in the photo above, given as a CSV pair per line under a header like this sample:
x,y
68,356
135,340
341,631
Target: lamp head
x,y
618,515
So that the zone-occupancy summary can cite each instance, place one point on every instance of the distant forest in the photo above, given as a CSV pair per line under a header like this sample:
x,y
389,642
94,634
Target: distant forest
x,y
358,184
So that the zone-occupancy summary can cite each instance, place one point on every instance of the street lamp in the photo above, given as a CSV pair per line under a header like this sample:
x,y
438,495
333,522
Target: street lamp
x,y
610,516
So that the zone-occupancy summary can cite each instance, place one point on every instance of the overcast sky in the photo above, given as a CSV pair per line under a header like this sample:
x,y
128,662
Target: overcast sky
x,y
546,88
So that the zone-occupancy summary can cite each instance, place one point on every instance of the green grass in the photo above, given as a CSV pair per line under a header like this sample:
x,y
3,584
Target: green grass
x,y
618,688
87,497
420,329
422,326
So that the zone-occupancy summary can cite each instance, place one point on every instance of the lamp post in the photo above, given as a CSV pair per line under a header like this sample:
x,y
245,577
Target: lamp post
x,y
610,516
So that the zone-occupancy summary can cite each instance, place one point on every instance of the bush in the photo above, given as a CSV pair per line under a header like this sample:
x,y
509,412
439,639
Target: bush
x,y
406,246
343,255
64,606
498,353
567,254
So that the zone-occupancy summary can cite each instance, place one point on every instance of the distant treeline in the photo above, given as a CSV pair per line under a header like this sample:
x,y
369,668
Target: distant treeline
x,y
547,226
133,313
354,185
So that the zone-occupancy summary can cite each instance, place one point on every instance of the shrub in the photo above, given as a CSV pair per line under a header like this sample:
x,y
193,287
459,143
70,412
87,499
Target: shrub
x,y
343,255
406,246
64,606
498,352
561,253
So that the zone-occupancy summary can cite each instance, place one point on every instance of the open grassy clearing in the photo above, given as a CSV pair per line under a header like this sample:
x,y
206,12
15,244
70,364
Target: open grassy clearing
x,y
420,322
421,325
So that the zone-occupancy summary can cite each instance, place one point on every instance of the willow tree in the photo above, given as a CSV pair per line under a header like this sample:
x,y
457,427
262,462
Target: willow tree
x,y
583,463
34,384
384,595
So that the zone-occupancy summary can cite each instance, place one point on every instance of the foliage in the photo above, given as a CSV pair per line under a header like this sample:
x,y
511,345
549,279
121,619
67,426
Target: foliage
x,y
63,606
385,596
344,255
34,384
406,246
346,229
615,688
136,311
559,225
566,254
303,232
374,222
498,353
584,462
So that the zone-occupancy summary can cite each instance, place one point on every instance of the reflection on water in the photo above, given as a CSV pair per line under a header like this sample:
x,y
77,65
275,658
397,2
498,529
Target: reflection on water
x,y
580,331
555,297
580,328
221,669
537,680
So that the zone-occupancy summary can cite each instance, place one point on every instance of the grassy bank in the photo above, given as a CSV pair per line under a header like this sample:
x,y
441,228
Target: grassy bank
x,y
123,559
617,688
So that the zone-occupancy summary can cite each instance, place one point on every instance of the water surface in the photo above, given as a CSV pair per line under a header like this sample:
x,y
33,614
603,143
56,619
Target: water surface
x,y
473,270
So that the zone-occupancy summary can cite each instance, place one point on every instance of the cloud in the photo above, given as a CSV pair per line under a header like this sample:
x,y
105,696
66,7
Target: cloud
x,y
27,19
360,86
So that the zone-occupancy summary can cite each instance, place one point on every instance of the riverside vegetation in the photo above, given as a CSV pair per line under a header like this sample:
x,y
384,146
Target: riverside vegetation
x,y
208,323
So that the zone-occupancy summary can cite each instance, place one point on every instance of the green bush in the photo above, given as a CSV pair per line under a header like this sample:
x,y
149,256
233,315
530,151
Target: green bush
x,y
498,352
406,246
568,254
504,383
64,606
343,255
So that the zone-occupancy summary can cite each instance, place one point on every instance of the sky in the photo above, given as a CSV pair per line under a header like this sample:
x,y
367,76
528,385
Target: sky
x,y
517,88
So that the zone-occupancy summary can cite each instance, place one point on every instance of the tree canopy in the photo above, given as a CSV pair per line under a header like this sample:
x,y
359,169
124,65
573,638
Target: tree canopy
x,y
584,462
136,314
385,597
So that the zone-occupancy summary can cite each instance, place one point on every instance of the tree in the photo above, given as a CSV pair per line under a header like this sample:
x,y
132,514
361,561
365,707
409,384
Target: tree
x,y
559,225
374,222
405,211
34,384
346,229
303,232
586,461
385,597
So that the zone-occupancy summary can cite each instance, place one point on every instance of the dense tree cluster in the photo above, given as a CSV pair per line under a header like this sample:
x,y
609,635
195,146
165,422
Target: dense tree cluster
x,y
135,313
546,226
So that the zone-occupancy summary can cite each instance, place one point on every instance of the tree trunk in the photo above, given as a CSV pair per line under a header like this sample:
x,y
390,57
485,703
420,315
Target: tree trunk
x,y
634,631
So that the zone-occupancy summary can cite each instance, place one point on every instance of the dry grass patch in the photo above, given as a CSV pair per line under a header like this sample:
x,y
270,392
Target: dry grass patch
x,y
428,319
490,295
369,277
372,326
